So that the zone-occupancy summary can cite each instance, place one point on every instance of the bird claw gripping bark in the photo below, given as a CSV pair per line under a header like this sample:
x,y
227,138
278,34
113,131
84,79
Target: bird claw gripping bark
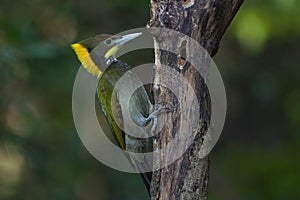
x,y
154,117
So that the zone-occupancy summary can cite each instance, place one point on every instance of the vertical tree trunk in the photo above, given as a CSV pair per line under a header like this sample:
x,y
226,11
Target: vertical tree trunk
x,y
205,21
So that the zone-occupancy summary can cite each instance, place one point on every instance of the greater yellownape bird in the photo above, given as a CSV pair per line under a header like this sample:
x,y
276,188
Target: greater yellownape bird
x,y
98,57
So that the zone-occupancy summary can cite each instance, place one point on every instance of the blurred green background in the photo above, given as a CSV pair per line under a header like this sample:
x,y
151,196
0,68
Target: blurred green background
x,y
41,156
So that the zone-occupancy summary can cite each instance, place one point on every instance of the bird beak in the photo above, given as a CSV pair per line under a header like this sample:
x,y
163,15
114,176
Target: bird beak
x,y
126,38
119,42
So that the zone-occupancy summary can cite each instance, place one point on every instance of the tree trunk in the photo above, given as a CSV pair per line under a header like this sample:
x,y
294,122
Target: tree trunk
x,y
205,21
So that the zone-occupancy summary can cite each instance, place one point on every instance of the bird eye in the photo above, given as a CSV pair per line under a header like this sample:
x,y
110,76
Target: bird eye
x,y
108,41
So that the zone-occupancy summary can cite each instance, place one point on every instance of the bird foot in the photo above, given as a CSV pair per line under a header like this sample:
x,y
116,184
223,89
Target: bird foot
x,y
154,117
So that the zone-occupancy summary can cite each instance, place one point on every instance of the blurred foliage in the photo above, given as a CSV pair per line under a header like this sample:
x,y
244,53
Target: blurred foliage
x,y
41,156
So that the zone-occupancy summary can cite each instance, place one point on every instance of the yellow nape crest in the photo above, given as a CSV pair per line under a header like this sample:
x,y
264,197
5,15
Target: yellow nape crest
x,y
86,60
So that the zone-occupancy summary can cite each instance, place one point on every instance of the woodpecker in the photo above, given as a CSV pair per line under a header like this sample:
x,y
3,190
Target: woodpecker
x,y
98,56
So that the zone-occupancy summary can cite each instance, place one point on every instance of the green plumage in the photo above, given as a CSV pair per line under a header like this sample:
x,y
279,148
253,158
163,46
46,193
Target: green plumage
x,y
139,105
97,57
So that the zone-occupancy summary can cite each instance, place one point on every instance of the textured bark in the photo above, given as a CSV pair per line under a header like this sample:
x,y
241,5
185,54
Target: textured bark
x,y
206,22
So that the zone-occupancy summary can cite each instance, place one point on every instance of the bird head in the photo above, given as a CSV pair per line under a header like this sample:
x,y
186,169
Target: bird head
x,y
96,52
